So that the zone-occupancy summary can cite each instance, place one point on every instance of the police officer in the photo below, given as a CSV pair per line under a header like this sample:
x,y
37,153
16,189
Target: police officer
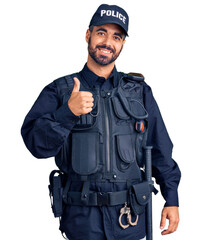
x,y
96,127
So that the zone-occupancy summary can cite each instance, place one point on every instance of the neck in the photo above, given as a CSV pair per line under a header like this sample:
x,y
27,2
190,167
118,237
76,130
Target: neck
x,y
102,71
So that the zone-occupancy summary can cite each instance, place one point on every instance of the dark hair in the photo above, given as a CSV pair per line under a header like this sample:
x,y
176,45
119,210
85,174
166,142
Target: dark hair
x,y
92,26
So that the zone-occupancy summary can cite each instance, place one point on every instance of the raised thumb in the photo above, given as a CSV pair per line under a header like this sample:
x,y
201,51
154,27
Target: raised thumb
x,y
76,85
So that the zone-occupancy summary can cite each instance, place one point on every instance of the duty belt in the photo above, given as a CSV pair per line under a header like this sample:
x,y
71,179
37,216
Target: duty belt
x,y
96,198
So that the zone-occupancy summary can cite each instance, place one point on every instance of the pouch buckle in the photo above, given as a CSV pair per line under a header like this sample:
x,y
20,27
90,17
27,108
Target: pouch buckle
x,y
102,199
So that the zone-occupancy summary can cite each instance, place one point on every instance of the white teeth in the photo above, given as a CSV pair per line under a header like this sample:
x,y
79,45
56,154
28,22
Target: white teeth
x,y
104,51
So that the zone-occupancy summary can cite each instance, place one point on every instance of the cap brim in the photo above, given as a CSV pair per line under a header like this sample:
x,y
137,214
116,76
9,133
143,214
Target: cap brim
x,y
108,22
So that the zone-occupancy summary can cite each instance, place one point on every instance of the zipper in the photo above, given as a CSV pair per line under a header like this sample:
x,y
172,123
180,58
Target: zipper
x,y
107,133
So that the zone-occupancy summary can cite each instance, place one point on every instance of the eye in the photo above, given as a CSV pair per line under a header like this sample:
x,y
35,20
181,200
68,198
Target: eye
x,y
101,33
117,38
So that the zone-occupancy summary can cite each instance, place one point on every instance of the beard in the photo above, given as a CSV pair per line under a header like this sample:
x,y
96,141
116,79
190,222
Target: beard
x,y
102,59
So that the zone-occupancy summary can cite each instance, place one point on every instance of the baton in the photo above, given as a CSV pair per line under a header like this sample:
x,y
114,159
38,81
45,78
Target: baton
x,y
148,176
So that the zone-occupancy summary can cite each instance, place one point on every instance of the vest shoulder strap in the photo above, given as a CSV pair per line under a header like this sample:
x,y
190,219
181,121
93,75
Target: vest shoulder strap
x,y
65,85
136,76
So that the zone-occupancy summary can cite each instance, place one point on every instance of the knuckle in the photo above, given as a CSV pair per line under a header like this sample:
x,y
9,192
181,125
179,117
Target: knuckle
x,y
83,103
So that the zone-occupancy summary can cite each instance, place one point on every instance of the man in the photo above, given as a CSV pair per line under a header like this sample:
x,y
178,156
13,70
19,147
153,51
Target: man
x,y
97,126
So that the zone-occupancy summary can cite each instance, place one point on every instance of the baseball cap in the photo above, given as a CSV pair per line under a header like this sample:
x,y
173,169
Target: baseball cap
x,y
110,14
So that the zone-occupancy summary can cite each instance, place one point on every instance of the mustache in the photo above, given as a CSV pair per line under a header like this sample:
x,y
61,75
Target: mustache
x,y
106,47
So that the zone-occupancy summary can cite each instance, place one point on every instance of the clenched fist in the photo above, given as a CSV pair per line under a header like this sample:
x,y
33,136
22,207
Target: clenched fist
x,y
80,102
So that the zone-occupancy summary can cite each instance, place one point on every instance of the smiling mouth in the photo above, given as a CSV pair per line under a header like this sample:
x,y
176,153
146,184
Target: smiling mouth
x,y
105,51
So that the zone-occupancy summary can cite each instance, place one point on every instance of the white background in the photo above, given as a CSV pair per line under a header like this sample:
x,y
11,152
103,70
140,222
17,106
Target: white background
x,y
42,40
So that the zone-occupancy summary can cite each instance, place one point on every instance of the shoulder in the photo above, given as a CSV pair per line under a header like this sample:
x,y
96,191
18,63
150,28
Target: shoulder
x,y
54,87
63,82
147,90
65,78
137,77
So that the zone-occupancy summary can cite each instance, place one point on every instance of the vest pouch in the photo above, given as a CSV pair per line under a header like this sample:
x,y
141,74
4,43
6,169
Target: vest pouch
x,y
119,110
85,150
139,195
137,108
56,192
126,151
132,106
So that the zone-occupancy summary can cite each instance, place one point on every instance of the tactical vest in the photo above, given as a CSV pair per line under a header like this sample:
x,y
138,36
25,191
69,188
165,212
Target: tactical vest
x,y
105,144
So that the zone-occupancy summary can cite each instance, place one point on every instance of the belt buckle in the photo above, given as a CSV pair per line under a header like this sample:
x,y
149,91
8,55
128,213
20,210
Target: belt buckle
x,y
102,199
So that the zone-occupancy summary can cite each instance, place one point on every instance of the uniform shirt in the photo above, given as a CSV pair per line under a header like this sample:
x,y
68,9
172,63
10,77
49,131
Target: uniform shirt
x,y
48,124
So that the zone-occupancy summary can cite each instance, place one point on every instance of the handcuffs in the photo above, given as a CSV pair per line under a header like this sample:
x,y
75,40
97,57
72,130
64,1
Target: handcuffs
x,y
126,210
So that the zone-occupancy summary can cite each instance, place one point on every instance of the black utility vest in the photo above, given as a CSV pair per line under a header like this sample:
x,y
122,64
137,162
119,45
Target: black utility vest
x,y
107,143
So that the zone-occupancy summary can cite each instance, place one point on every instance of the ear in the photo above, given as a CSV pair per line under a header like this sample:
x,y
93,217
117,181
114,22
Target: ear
x,y
87,35
124,42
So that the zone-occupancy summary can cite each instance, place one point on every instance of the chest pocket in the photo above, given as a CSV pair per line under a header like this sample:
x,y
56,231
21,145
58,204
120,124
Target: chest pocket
x,y
85,152
85,142
131,105
119,110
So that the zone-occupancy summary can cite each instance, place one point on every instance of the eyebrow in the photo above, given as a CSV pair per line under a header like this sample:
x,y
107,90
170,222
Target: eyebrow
x,y
101,29
104,30
118,34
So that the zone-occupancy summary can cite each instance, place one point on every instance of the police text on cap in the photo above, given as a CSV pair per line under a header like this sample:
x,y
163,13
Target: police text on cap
x,y
113,13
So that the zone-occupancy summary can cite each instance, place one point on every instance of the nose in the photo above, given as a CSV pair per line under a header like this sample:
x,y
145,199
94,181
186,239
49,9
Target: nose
x,y
107,41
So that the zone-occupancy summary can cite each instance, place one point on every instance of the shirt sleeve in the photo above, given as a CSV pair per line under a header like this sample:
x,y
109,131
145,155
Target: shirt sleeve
x,y
164,169
48,124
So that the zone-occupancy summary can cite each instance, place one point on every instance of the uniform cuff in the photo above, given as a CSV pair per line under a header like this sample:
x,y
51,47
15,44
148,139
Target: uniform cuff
x,y
65,116
171,198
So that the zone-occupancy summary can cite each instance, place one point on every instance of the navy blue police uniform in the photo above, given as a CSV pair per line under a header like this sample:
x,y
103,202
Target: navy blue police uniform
x,y
51,129
45,130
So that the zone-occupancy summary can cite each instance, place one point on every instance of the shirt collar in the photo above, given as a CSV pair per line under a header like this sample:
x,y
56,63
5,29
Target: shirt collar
x,y
92,79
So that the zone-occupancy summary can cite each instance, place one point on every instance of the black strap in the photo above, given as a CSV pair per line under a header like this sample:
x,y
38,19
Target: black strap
x,y
153,189
65,191
70,81
85,193
65,86
98,198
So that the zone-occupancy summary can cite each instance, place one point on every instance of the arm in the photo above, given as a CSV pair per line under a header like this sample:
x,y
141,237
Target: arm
x,y
47,124
164,168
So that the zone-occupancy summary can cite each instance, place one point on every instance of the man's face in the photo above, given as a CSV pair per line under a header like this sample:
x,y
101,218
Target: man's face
x,y
105,43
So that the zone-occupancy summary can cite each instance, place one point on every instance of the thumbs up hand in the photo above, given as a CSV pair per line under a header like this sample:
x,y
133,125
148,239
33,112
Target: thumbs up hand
x,y
80,102
76,85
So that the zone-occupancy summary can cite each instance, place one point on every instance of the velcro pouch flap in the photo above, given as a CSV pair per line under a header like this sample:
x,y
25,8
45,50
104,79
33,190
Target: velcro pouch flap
x,y
142,192
137,108
125,148
118,109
